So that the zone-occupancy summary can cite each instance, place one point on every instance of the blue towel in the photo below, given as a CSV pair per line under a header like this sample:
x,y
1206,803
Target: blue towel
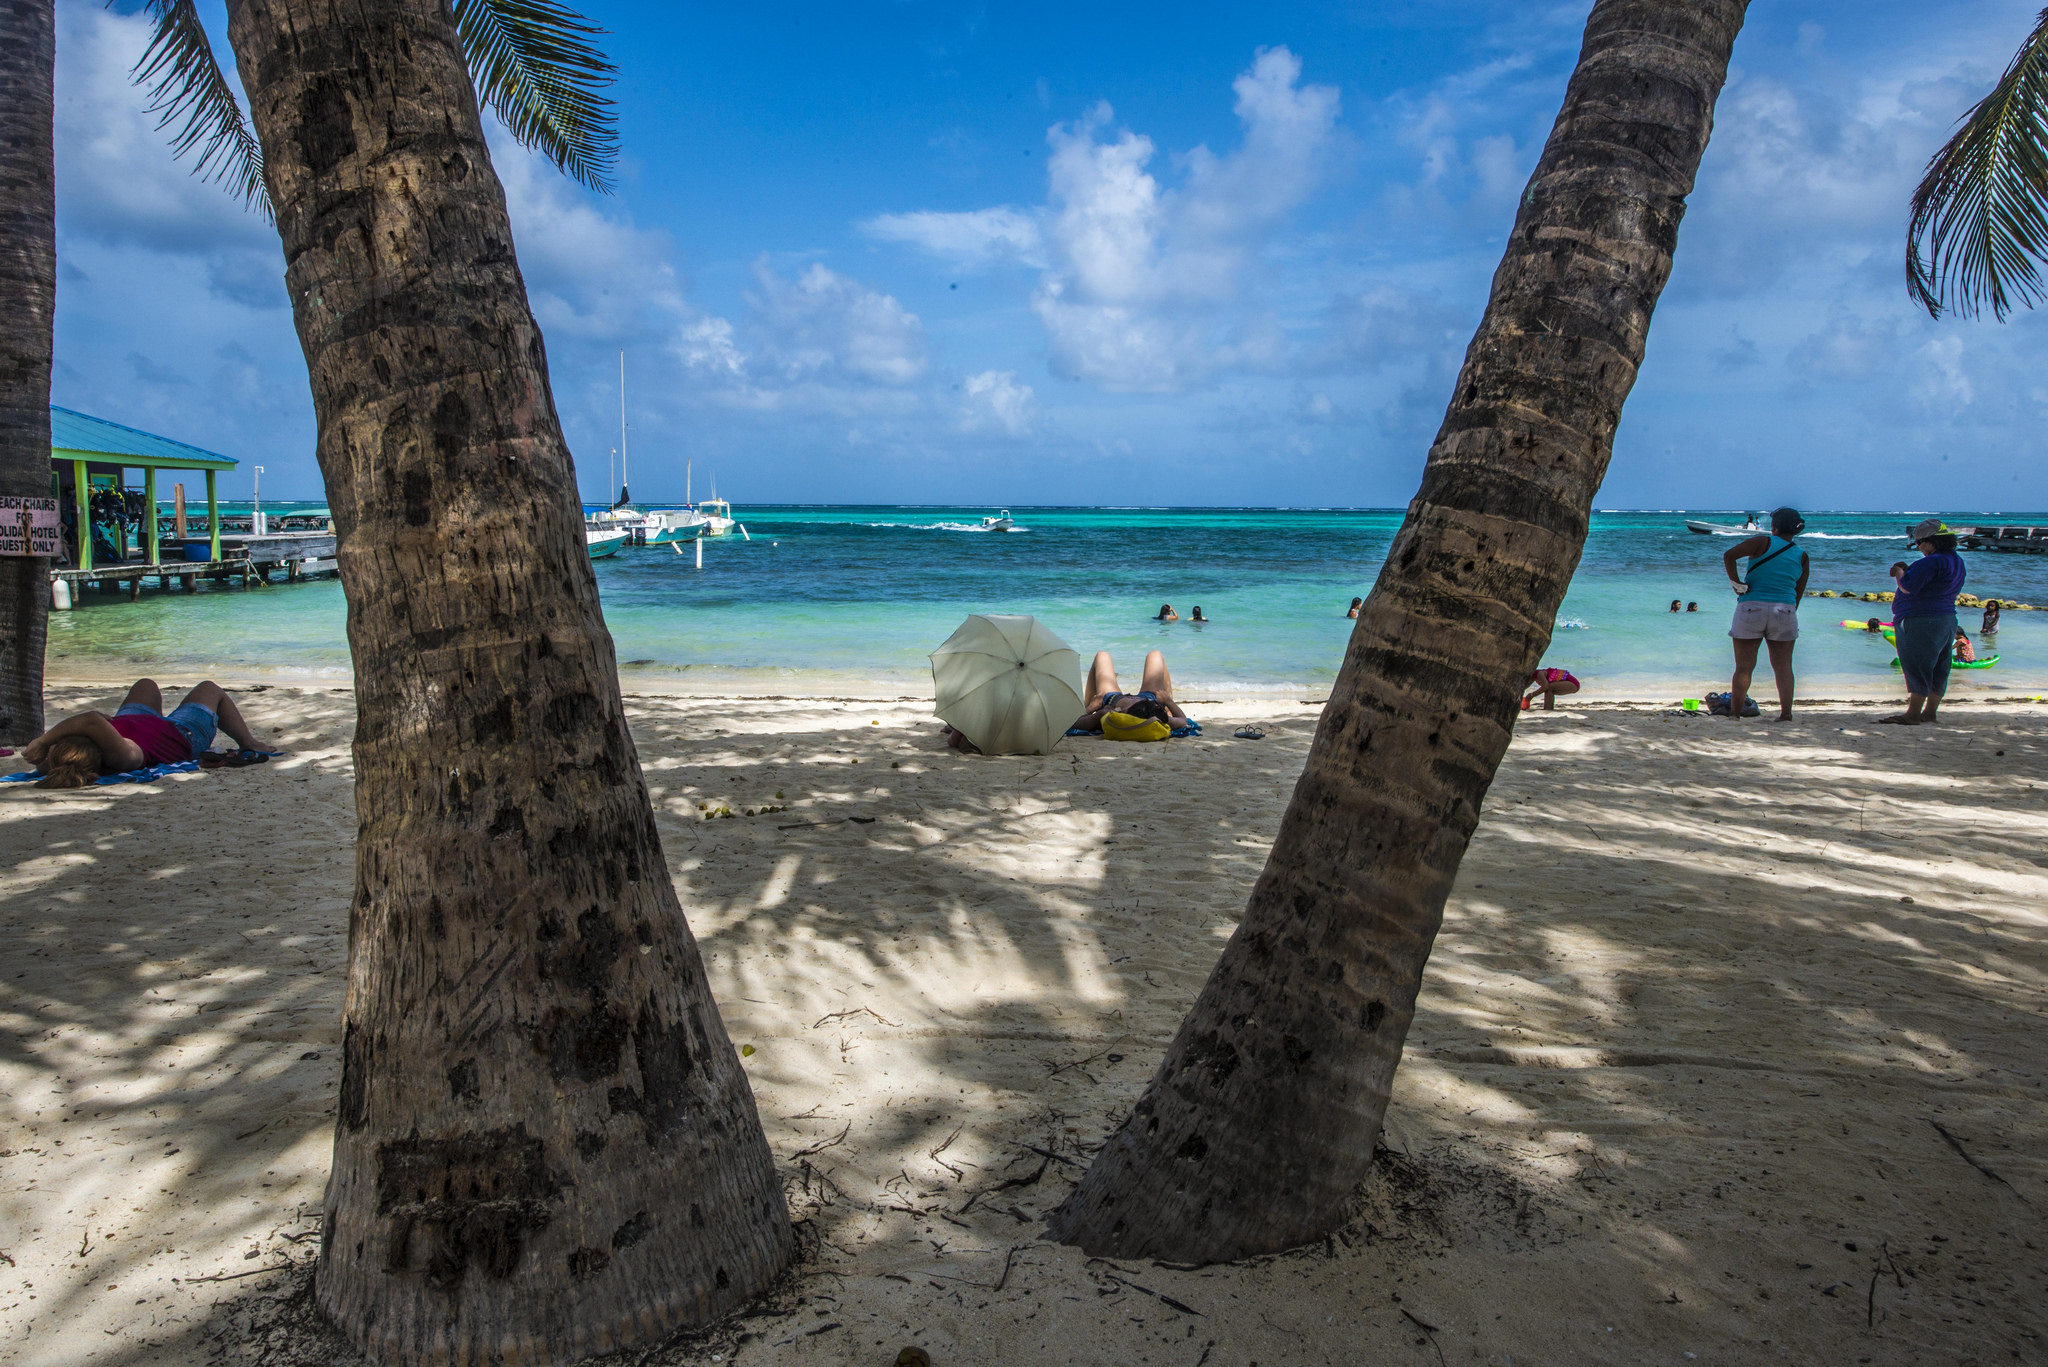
x,y
149,775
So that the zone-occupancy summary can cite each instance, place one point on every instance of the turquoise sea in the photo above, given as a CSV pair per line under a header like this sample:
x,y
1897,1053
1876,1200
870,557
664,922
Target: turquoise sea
x,y
852,599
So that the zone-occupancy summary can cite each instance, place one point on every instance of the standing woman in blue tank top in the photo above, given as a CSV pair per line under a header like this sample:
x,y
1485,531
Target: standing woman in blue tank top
x,y
1767,606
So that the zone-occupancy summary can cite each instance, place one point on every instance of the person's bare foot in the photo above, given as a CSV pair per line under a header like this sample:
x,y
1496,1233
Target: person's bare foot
x,y
1903,719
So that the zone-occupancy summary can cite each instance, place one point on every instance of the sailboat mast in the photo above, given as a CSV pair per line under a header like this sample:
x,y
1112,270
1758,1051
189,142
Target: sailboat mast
x,y
625,455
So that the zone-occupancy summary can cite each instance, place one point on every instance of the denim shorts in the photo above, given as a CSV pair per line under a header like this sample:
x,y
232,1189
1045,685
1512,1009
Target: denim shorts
x,y
196,720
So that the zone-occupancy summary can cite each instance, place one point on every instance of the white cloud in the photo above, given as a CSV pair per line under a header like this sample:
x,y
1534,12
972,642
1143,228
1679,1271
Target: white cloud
x,y
1940,382
122,187
824,322
994,398
971,239
1140,283
590,276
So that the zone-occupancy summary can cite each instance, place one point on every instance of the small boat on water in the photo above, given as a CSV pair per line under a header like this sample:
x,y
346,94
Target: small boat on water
x,y
1002,522
665,525
1750,527
603,541
717,515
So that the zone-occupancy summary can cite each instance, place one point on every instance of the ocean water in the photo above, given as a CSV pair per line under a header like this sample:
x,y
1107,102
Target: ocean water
x,y
853,599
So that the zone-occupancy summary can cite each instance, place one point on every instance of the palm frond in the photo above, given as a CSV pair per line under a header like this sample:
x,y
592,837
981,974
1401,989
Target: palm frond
x,y
1980,215
186,88
536,68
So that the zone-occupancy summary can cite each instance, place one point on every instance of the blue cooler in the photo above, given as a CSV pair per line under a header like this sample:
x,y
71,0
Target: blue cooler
x,y
200,551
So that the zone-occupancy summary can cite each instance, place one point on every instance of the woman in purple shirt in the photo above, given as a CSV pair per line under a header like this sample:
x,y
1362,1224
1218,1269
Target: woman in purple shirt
x,y
1924,609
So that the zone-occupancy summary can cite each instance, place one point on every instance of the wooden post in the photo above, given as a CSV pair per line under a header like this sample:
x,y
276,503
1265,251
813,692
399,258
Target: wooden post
x,y
149,513
178,514
83,496
134,588
213,513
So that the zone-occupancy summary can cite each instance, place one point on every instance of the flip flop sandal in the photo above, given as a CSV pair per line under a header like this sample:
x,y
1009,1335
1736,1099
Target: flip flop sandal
x,y
1249,733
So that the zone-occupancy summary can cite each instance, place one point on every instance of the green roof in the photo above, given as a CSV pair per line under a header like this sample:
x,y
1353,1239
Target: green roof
x,y
77,436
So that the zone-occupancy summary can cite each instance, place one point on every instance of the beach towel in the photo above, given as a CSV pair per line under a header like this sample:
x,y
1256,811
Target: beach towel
x,y
149,775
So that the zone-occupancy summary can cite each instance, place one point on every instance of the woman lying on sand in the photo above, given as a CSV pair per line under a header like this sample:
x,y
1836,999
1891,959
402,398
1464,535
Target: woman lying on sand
x,y
79,749
1153,700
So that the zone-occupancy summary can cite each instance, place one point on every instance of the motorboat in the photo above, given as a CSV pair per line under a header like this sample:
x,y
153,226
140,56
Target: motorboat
x,y
603,541
1002,522
661,526
717,515
1749,527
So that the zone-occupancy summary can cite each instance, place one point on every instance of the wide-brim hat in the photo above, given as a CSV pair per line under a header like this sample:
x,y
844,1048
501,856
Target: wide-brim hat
x,y
1923,531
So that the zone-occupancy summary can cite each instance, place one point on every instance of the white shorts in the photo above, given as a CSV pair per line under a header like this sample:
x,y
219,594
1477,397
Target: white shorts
x,y
1768,621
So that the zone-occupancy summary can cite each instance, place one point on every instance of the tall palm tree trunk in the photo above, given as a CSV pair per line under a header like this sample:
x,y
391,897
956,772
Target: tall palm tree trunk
x,y
28,305
545,1145
1262,1118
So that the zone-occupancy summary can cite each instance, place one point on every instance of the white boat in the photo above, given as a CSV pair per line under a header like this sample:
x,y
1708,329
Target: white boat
x,y
603,541
1002,522
1749,528
717,515
665,525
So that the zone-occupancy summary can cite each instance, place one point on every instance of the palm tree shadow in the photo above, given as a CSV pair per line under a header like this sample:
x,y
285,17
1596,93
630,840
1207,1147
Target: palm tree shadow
x,y
1656,971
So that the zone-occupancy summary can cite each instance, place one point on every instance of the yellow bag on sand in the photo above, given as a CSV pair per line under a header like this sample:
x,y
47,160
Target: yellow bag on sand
x,y
1124,726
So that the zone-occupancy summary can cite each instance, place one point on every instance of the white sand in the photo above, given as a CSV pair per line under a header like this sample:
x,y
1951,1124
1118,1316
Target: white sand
x,y
1690,1077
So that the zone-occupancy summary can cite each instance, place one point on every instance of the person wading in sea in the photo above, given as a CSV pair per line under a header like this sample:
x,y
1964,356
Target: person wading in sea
x,y
1924,617
1767,610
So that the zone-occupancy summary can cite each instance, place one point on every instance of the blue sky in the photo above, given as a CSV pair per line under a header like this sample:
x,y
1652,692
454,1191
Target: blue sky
x,y
1137,254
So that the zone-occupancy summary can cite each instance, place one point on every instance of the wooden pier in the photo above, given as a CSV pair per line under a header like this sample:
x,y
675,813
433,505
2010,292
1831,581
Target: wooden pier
x,y
2013,539
254,559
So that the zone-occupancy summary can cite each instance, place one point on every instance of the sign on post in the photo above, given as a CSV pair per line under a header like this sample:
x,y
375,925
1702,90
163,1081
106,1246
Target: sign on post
x,y
29,526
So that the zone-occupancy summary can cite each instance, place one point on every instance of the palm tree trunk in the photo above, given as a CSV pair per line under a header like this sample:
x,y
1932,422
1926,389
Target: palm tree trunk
x,y
545,1145
28,303
1262,1118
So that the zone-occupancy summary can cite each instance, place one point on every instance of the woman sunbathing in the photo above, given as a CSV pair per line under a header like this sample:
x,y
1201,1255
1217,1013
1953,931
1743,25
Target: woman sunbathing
x,y
1154,698
79,749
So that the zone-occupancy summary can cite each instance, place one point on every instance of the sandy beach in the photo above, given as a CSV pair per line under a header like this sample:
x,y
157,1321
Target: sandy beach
x,y
1731,1049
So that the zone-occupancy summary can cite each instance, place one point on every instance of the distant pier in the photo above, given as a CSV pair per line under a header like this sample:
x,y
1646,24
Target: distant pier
x,y
2015,539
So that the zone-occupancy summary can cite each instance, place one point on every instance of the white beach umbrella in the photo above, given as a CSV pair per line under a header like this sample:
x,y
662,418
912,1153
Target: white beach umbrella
x,y
1008,684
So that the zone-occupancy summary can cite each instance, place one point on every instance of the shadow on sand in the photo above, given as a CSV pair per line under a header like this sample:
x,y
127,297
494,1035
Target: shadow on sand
x,y
1731,1038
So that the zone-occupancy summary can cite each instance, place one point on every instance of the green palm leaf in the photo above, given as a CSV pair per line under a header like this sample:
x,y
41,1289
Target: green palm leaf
x,y
186,87
1980,216
532,62
536,69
